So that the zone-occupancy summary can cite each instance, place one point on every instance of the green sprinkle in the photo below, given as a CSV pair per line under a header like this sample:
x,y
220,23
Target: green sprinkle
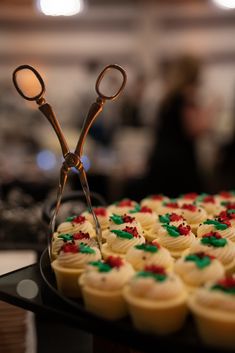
x,y
122,234
200,262
147,247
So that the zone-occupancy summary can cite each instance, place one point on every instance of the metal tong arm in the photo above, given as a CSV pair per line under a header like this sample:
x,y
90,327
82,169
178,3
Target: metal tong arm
x,y
47,110
94,111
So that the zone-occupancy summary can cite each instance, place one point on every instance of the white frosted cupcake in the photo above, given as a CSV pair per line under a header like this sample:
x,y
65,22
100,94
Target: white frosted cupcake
x,y
170,207
144,255
69,265
215,245
154,202
198,268
120,241
60,239
102,285
188,198
225,196
74,224
156,301
146,217
122,207
214,310
123,221
102,215
176,239
227,215
210,204
224,227
194,216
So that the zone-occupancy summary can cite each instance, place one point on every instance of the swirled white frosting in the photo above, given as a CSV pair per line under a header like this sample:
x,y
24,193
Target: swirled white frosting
x,y
134,223
146,219
228,233
180,243
215,299
225,254
154,203
122,245
103,219
72,227
77,260
120,208
211,208
194,217
113,280
148,288
140,258
194,276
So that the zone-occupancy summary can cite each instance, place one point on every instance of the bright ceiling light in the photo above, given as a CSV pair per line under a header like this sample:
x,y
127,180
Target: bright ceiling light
x,y
226,4
61,7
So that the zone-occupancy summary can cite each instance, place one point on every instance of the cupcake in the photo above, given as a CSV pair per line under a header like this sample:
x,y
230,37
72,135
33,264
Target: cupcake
x,y
74,224
120,241
102,215
171,206
77,238
156,301
188,198
210,204
227,215
194,215
198,268
123,221
122,207
176,239
70,264
102,284
146,217
154,202
144,255
215,245
214,310
224,226
225,196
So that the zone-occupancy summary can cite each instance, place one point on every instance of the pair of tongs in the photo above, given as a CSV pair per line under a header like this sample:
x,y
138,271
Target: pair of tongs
x,y
71,159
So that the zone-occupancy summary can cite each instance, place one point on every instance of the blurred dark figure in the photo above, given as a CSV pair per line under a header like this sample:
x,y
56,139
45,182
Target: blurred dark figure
x,y
181,120
225,166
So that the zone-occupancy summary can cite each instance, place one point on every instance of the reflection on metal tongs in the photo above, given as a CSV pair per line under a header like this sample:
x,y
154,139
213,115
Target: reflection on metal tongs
x,y
71,159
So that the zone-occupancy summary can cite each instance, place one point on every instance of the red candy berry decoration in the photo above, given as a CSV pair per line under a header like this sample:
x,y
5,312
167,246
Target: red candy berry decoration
x,y
79,219
125,203
113,261
157,197
190,196
69,247
132,230
184,230
145,209
158,270
100,211
172,205
127,219
225,194
81,235
188,207
228,282
209,199
175,217
212,234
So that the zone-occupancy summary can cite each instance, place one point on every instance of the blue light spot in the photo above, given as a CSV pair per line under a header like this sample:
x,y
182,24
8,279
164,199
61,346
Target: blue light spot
x,y
46,160
86,162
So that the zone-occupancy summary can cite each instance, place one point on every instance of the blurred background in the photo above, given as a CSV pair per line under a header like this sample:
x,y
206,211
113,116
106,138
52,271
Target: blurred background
x,y
172,130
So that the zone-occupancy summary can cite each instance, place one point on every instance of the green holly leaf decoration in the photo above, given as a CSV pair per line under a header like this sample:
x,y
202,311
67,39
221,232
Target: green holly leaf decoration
x,y
136,209
122,234
116,219
85,249
102,267
172,230
216,224
147,247
200,262
164,218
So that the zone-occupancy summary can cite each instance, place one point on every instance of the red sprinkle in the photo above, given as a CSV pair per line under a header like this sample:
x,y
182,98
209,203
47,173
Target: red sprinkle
x,y
190,196
157,197
209,199
127,219
192,208
184,230
175,217
81,235
100,211
212,234
125,203
132,230
145,209
159,270
69,247
230,206
114,261
79,219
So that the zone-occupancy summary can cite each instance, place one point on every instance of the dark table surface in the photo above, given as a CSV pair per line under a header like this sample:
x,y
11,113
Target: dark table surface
x,y
43,300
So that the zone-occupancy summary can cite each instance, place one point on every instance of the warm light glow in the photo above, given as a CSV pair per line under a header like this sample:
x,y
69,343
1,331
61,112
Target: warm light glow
x,y
227,4
61,7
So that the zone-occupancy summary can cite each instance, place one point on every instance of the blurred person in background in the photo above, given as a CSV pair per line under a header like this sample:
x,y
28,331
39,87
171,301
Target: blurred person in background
x,y
181,120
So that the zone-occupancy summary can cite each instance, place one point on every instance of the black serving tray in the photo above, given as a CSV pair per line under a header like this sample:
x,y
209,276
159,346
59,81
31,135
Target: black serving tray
x,y
51,304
